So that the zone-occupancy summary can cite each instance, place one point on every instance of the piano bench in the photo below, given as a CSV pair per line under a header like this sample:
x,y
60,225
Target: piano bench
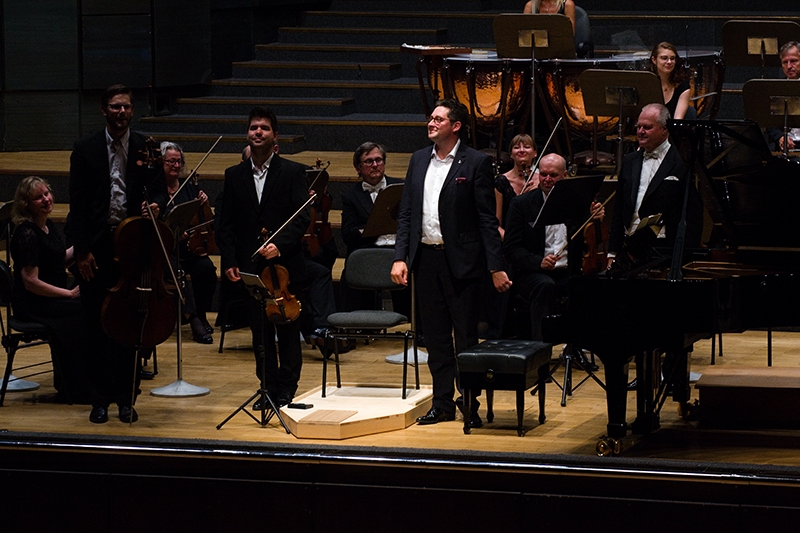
x,y
504,365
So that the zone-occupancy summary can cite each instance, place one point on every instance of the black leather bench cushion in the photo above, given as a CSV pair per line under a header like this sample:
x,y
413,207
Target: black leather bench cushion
x,y
505,357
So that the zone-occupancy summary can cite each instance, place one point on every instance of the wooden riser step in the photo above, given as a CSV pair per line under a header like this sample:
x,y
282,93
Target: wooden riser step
x,y
750,397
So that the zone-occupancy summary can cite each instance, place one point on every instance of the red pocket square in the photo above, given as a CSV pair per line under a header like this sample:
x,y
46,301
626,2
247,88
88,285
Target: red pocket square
x,y
461,180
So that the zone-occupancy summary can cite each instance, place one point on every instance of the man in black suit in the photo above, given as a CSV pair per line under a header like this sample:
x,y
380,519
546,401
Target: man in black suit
x,y
653,180
790,64
262,193
541,270
447,235
107,186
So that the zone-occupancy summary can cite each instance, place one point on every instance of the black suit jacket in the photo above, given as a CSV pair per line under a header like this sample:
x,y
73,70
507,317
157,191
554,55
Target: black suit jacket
x,y
664,195
90,190
466,214
356,208
524,245
243,217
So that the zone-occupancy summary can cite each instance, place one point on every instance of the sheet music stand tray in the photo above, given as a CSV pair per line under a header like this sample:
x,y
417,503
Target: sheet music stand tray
x,y
749,43
535,36
773,104
383,217
621,93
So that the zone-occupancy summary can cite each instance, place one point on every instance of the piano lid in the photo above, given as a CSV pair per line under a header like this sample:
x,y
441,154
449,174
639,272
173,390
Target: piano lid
x,y
750,194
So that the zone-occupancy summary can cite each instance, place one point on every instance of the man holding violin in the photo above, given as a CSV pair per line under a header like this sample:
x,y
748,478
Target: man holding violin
x,y
107,185
259,196
541,259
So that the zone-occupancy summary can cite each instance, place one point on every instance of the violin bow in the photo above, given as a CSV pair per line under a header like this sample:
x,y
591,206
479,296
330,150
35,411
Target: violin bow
x,y
561,251
535,167
269,239
194,172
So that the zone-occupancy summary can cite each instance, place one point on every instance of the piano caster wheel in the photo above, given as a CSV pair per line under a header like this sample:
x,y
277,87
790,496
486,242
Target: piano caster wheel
x,y
689,411
607,446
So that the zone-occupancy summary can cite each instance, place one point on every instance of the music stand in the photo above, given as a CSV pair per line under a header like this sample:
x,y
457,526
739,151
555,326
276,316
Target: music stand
x,y
537,36
773,104
747,43
623,93
383,217
569,199
178,221
258,291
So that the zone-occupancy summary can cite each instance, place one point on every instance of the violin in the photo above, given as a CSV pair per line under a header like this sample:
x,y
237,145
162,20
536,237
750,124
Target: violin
x,y
201,241
319,231
282,306
595,236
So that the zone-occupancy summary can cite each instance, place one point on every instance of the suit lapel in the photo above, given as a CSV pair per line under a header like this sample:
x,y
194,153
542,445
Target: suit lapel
x,y
364,201
636,176
663,171
456,166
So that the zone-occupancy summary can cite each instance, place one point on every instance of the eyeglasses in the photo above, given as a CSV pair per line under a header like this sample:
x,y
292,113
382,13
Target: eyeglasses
x,y
119,107
173,162
437,120
370,162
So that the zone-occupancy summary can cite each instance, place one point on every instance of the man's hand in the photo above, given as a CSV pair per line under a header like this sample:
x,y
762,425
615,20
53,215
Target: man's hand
x,y
400,273
269,251
233,274
501,281
598,211
154,207
86,265
549,261
790,143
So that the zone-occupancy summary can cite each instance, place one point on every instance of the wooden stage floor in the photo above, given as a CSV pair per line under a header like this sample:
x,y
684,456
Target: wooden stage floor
x,y
572,430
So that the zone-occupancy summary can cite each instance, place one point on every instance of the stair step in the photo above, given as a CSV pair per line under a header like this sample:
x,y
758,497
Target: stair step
x,y
370,36
351,53
317,70
749,397
282,106
231,143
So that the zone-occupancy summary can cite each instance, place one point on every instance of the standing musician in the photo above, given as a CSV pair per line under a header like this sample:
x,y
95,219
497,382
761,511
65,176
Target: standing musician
x,y
106,187
262,193
447,234
652,180
540,273
202,280
560,7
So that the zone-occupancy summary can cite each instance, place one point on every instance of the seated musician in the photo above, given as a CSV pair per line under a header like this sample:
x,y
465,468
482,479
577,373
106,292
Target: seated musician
x,y
540,269
652,181
668,66
196,264
369,161
41,293
790,64
561,7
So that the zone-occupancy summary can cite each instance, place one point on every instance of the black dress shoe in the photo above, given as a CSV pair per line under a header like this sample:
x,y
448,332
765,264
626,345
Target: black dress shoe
x,y
434,416
202,339
284,399
633,384
99,415
128,414
146,374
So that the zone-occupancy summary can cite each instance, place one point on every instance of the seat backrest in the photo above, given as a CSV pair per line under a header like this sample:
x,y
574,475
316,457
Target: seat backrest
x,y
6,283
370,269
583,31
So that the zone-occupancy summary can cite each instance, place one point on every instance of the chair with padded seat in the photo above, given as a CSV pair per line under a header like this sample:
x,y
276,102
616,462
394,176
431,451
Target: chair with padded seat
x,y
368,269
16,333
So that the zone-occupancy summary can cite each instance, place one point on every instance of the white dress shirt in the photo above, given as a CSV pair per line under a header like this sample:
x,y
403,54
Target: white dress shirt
x,y
434,180
117,169
260,175
650,163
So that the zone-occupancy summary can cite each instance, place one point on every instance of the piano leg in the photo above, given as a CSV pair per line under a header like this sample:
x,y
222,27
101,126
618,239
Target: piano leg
x,y
616,397
648,378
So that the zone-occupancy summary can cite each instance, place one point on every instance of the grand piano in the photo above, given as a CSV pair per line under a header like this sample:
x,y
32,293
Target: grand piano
x,y
746,277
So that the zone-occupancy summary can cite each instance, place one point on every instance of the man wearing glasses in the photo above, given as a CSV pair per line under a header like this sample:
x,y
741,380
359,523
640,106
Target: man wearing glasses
x,y
447,235
106,186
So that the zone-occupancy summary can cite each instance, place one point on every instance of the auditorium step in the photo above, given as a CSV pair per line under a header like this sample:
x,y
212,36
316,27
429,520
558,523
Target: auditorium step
x,y
317,70
241,106
749,397
369,36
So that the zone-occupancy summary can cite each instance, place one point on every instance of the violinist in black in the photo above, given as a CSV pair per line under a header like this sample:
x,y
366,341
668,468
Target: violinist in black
x,y
107,186
263,192
202,274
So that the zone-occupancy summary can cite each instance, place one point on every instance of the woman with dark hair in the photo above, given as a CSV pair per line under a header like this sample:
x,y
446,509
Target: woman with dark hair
x,y
665,63
41,293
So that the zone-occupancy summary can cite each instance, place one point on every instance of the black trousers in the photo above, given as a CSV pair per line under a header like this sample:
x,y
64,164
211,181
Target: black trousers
x,y
449,309
280,364
540,291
